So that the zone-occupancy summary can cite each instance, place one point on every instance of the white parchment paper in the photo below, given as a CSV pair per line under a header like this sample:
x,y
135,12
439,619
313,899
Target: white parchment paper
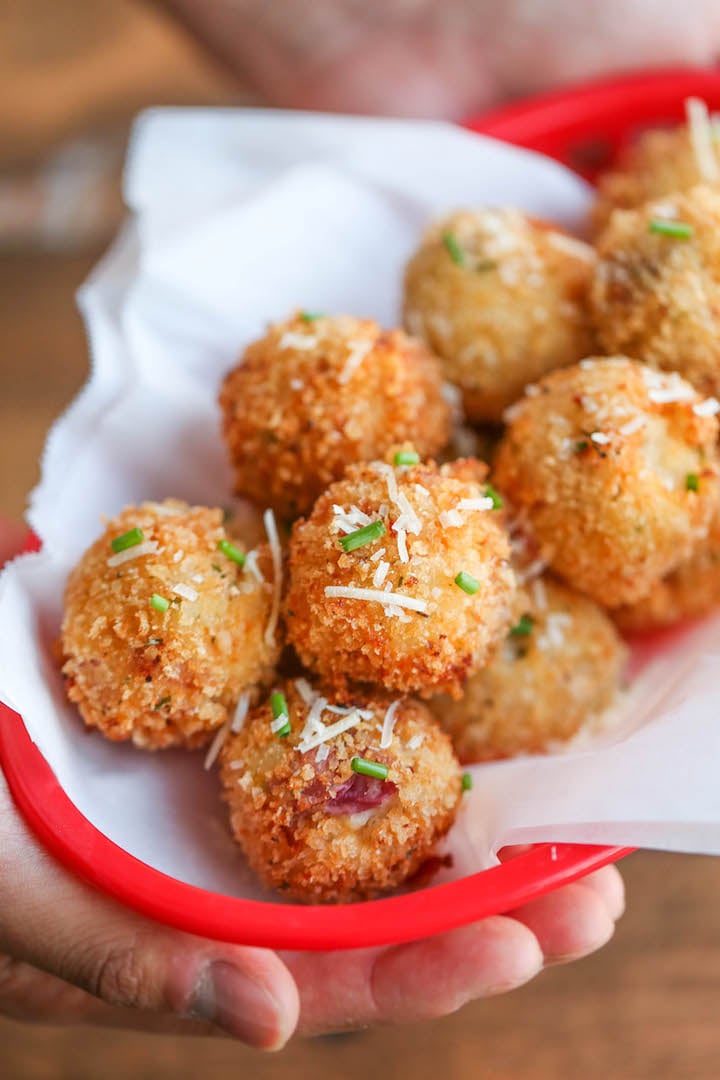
x,y
237,217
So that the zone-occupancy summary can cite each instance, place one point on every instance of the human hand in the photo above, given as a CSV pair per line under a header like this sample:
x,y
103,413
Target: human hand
x,y
440,58
69,954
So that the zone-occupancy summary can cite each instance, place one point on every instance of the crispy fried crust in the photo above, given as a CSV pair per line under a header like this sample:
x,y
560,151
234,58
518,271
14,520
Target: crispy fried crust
x,y
278,799
345,640
657,298
597,465
513,310
297,411
658,164
542,686
172,678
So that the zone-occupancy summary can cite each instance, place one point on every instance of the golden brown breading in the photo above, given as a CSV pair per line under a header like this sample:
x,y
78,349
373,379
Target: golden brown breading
x,y
501,299
165,678
660,163
558,668
311,397
691,591
313,827
657,298
601,461
347,639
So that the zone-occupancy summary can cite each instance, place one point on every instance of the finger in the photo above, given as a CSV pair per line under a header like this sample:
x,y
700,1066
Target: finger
x,y
417,981
54,922
609,885
569,923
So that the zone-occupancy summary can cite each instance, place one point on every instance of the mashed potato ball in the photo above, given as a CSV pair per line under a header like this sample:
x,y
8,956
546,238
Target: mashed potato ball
x,y
400,576
501,299
164,629
612,466
661,162
656,291
558,668
338,803
320,392
691,591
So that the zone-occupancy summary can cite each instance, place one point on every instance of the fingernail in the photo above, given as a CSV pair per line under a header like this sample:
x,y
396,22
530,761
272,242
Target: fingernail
x,y
224,995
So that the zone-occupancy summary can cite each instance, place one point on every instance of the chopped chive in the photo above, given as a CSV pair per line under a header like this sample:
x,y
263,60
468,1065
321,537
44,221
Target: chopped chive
x,y
581,446
161,703
491,493
677,230
369,768
454,250
467,583
692,482
310,316
160,603
127,540
523,626
406,457
466,781
279,709
361,537
284,730
231,552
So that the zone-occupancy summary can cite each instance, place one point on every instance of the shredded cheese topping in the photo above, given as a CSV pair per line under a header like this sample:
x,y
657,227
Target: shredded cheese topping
x,y
701,139
331,731
292,340
357,353
252,567
276,552
632,425
709,407
186,591
147,547
241,712
380,574
389,723
216,745
349,592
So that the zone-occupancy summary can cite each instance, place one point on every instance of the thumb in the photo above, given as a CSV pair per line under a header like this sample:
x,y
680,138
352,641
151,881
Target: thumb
x,y
56,923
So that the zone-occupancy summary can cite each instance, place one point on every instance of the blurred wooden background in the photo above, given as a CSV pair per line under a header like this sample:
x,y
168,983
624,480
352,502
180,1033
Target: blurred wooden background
x,y
72,74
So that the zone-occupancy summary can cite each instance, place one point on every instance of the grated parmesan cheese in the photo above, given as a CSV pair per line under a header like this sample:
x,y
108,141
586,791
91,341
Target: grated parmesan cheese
x,y
350,592
389,723
632,425
709,407
330,732
279,722
178,556
401,544
415,742
252,568
241,712
305,691
186,591
357,353
197,578
276,552
570,246
539,595
323,752
451,519
484,503
380,574
377,555
292,340
701,139
600,438
216,745
147,547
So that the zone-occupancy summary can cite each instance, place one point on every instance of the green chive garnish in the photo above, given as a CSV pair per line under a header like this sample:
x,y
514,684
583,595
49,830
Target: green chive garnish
x,y
581,446
279,708
491,493
231,551
159,602
310,316
406,457
361,537
692,482
467,583
454,250
677,230
523,626
127,540
466,781
369,768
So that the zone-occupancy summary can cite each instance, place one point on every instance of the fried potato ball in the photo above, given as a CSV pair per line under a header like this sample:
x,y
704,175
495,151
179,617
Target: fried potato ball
x,y
660,163
422,603
656,291
501,299
317,393
315,827
161,636
691,591
612,467
559,667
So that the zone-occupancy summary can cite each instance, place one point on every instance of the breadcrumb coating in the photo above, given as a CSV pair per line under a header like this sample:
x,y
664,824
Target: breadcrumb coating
x,y
558,668
438,523
502,299
165,678
691,591
660,163
612,467
314,395
656,297
311,826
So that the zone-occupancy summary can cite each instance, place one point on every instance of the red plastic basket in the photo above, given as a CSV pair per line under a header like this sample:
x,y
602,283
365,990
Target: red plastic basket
x,y
583,126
